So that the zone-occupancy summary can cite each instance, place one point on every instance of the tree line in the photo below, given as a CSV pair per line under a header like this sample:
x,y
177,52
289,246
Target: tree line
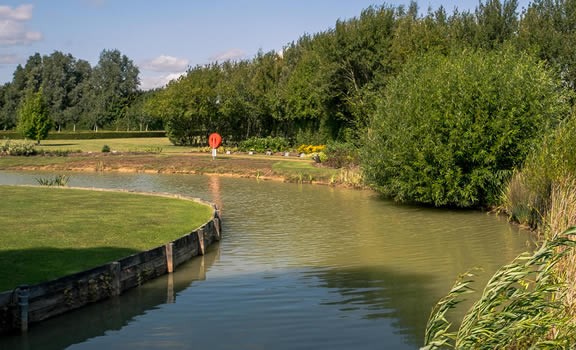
x,y
77,94
323,86
326,86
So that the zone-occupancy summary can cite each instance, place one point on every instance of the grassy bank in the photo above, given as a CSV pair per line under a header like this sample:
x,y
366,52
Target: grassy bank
x,y
256,166
50,232
142,144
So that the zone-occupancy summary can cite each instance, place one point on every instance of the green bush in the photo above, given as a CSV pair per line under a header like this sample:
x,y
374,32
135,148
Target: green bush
x,y
12,148
451,129
340,155
105,148
263,144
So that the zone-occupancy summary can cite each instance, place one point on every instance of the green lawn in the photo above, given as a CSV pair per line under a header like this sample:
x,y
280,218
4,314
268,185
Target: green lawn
x,y
51,232
143,144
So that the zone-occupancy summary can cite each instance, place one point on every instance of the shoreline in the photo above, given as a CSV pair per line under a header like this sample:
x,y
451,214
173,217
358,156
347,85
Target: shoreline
x,y
37,302
257,167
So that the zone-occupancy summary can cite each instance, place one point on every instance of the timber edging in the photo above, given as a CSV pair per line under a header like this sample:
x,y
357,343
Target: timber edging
x,y
31,304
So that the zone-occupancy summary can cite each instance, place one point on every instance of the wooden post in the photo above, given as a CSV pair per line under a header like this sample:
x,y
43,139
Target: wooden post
x,y
170,257
23,296
200,241
217,228
115,275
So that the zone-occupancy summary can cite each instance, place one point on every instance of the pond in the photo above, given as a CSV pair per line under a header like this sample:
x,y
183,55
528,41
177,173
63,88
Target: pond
x,y
299,267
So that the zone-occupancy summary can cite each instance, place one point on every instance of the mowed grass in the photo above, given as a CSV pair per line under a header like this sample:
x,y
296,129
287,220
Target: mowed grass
x,y
47,233
144,144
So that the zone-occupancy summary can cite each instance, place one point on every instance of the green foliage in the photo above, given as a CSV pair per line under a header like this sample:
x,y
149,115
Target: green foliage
x,y
12,148
56,180
527,197
451,129
33,120
521,307
263,144
189,106
105,149
340,155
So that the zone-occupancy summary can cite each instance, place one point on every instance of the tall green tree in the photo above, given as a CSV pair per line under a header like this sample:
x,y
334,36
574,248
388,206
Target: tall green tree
x,y
548,27
113,84
33,116
189,106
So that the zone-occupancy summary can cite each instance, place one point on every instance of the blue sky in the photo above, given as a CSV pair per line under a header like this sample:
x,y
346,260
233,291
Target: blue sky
x,y
164,37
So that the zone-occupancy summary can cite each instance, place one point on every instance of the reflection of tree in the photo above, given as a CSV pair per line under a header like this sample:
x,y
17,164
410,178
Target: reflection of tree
x,y
113,314
380,293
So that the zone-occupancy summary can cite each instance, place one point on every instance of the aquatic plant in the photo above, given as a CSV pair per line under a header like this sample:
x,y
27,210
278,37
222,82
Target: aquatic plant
x,y
57,180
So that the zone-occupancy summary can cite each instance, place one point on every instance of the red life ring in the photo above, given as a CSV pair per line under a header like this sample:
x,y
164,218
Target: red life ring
x,y
214,140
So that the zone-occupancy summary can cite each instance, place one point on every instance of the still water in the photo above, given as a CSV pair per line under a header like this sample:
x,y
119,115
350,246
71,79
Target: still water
x,y
299,267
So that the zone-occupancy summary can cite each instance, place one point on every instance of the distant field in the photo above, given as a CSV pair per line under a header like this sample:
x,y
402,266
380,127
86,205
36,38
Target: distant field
x,y
51,232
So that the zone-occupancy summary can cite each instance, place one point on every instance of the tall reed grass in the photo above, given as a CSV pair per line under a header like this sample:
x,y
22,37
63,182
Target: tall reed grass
x,y
522,307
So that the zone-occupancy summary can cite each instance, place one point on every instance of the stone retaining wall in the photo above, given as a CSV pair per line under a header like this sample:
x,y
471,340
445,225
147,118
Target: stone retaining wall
x,y
26,305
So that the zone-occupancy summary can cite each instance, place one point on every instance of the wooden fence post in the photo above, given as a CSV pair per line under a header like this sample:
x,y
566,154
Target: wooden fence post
x,y
170,257
116,288
200,241
23,300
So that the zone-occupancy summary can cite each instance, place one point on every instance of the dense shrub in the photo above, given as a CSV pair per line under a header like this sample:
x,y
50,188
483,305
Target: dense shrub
x,y
340,155
17,148
105,148
451,129
263,144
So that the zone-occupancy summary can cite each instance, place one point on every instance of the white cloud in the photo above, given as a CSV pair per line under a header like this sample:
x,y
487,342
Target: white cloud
x,y
166,64
10,59
229,55
153,82
14,33
12,29
20,13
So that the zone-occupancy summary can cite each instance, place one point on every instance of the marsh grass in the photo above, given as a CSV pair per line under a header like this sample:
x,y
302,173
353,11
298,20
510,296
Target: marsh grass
x,y
56,180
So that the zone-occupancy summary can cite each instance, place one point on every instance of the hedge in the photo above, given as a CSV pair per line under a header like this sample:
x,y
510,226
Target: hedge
x,y
87,135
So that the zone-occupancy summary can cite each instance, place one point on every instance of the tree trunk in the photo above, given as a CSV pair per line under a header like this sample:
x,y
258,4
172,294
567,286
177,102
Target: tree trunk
x,y
74,127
